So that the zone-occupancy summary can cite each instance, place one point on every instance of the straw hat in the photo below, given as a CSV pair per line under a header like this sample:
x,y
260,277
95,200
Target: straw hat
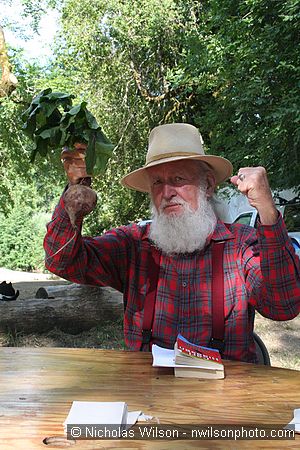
x,y
173,142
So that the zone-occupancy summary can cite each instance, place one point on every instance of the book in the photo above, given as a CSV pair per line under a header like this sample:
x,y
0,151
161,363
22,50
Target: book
x,y
189,360
192,354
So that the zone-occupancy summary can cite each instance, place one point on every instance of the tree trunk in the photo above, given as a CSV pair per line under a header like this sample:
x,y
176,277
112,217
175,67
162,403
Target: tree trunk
x,y
8,81
70,308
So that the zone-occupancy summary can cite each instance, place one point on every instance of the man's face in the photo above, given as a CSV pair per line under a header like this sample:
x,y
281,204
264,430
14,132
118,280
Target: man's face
x,y
182,216
173,184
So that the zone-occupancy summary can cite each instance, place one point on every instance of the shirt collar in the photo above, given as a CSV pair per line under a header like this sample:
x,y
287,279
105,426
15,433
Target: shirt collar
x,y
221,232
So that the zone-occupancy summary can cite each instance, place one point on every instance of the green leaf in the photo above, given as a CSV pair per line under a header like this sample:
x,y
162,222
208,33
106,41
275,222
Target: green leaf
x,y
91,120
33,154
48,108
76,109
60,96
90,158
53,134
42,145
63,138
41,148
101,162
104,148
42,94
29,127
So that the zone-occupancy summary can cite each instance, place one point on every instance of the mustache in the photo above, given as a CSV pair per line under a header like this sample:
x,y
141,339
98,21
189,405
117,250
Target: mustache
x,y
166,203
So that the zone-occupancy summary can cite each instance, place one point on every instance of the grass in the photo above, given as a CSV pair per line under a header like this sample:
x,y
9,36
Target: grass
x,y
108,336
281,338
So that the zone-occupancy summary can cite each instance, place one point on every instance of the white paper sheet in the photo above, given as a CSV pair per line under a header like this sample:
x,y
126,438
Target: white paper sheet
x,y
162,357
295,422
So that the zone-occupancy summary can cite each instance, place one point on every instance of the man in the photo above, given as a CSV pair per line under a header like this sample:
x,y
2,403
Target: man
x,y
175,252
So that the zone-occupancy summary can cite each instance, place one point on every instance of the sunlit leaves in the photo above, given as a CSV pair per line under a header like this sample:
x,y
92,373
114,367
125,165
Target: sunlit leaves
x,y
51,121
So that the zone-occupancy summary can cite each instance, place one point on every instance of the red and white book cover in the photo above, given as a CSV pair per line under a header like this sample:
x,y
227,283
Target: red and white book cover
x,y
197,352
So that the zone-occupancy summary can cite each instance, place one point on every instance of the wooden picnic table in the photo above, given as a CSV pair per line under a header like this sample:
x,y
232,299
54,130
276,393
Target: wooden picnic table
x,y
38,385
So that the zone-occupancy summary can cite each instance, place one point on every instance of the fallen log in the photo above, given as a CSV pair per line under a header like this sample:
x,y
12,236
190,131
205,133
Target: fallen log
x,y
70,308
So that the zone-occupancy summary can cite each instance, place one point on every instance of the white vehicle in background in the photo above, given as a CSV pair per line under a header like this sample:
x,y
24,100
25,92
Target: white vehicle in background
x,y
290,211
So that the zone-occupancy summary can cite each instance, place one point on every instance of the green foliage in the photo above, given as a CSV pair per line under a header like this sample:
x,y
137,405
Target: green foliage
x,y
22,227
21,239
231,68
51,121
250,65
117,43
15,168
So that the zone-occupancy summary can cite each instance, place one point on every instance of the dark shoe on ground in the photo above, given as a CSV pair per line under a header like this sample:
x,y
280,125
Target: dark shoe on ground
x,y
7,292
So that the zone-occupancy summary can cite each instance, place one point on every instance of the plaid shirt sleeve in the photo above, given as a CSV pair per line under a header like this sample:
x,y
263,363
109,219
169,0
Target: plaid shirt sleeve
x,y
274,283
100,261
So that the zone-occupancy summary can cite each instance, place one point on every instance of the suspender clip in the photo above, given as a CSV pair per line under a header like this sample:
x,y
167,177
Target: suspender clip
x,y
218,344
147,334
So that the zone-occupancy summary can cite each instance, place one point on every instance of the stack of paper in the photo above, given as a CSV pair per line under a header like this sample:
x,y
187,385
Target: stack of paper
x,y
295,423
109,414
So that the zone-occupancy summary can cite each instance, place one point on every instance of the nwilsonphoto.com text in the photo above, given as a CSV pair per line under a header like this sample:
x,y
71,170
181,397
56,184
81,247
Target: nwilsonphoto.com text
x,y
180,432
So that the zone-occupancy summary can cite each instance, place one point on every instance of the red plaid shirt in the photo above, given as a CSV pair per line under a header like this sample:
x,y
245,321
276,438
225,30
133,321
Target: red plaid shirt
x,y
261,271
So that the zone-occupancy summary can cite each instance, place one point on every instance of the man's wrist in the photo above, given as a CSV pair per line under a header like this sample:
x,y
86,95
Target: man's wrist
x,y
268,216
86,181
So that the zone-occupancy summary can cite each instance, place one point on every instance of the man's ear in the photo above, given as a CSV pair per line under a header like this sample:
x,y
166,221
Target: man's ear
x,y
211,184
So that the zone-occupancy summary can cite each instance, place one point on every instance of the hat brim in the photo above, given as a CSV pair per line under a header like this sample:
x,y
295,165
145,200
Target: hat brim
x,y
139,180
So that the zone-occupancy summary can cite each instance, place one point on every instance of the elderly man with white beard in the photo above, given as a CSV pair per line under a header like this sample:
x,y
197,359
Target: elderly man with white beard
x,y
185,272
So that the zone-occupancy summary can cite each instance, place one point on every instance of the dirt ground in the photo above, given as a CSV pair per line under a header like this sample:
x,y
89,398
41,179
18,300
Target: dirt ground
x,y
28,282
281,338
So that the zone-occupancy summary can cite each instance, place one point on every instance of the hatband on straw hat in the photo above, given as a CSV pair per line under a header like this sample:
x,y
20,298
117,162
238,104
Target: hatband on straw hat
x,y
173,142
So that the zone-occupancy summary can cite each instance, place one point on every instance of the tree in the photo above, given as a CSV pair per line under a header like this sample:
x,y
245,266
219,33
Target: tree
x,y
253,115
123,58
229,68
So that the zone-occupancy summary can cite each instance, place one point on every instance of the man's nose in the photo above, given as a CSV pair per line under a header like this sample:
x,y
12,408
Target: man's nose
x,y
168,190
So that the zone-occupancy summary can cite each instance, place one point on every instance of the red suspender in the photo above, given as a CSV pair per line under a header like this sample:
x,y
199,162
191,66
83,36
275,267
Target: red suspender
x,y
217,339
217,297
149,305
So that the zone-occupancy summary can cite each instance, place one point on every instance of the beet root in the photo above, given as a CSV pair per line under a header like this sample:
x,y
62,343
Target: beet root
x,y
79,200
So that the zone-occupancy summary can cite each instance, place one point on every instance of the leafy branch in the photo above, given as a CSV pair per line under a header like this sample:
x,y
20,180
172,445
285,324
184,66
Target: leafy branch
x,y
52,122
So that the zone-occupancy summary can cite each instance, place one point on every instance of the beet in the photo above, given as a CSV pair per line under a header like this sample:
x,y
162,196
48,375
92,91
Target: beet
x,y
79,200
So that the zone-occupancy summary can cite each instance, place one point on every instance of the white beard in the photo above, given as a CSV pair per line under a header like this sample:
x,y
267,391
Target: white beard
x,y
186,232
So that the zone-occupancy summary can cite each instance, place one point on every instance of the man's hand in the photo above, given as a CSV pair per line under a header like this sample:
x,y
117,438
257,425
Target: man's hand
x,y
74,163
253,182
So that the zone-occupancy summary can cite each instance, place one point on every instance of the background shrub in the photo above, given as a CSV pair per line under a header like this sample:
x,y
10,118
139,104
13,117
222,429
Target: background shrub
x,y
21,239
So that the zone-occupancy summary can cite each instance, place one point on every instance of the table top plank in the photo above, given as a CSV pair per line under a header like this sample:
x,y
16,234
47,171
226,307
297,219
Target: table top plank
x,y
37,387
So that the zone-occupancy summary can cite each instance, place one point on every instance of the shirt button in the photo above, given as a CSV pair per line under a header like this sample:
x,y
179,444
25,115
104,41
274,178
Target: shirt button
x,y
184,284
